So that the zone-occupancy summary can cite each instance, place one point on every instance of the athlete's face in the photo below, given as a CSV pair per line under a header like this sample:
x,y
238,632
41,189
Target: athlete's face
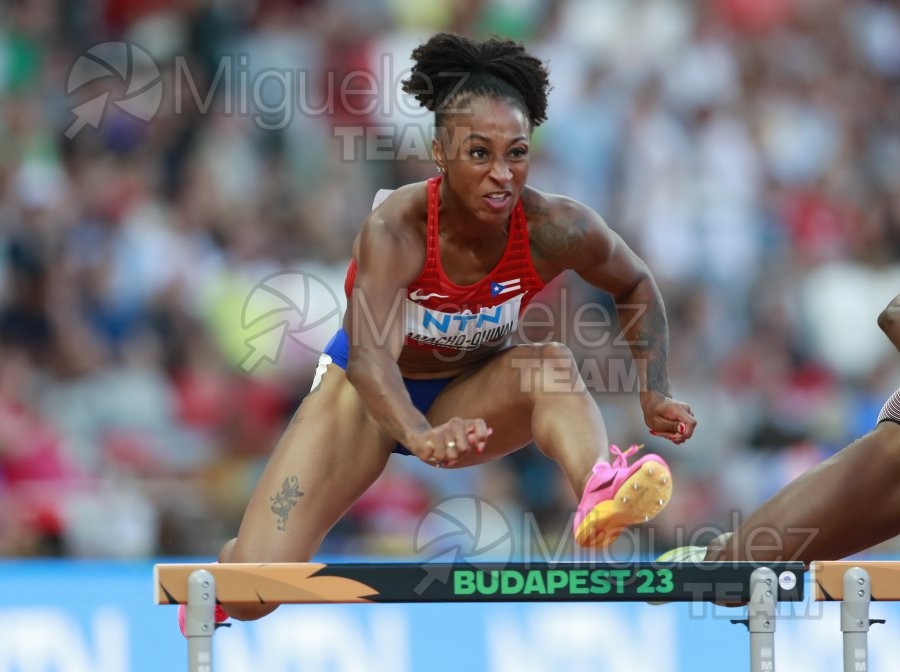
x,y
484,152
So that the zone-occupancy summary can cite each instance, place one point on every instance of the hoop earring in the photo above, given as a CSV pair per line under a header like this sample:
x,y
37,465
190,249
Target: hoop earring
x,y
441,170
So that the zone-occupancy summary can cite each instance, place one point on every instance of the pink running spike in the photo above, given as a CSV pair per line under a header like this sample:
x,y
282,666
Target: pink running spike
x,y
604,511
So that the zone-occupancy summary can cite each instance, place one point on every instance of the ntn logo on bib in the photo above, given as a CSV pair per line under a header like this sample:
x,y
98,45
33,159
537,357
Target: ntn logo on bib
x,y
462,330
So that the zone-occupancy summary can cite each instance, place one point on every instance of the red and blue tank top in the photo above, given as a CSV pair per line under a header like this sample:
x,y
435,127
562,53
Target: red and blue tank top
x,y
442,314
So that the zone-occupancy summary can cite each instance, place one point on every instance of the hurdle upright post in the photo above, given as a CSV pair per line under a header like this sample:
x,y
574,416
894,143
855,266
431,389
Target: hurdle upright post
x,y
200,622
761,619
855,618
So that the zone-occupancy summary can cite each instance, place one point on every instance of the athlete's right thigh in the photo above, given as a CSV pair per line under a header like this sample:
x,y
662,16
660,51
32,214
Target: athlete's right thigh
x,y
327,457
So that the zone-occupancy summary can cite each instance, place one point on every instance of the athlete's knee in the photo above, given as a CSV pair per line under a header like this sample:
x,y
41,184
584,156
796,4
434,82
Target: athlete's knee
x,y
242,612
249,612
554,351
546,368
238,550
556,370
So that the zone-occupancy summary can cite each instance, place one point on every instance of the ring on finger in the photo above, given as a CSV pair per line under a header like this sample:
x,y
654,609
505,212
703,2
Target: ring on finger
x,y
451,444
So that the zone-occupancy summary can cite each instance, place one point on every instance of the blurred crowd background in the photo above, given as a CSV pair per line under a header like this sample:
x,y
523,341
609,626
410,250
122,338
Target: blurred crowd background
x,y
749,150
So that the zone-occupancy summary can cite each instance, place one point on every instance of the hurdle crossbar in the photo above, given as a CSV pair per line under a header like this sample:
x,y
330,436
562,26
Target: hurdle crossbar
x,y
306,583
200,586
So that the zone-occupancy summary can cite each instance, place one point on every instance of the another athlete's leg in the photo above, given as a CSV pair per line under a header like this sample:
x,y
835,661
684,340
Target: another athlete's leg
x,y
846,504
328,456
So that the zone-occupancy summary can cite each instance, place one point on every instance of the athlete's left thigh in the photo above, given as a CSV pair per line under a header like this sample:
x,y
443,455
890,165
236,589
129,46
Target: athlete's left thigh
x,y
503,391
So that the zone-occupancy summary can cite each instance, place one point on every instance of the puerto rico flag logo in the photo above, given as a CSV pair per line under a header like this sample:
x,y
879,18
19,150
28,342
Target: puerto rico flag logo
x,y
498,288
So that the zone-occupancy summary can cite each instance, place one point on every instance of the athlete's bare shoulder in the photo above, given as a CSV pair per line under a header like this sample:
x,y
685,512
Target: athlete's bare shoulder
x,y
402,215
557,226
406,205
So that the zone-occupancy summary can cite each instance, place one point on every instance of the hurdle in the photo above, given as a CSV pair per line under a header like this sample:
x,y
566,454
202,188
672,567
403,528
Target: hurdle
x,y
201,586
855,585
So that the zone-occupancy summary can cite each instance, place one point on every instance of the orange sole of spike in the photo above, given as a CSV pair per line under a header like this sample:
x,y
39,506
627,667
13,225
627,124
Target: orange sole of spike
x,y
639,499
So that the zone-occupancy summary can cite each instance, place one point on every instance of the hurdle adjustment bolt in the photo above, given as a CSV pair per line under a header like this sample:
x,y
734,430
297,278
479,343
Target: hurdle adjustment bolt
x,y
859,623
861,593
206,584
860,581
205,596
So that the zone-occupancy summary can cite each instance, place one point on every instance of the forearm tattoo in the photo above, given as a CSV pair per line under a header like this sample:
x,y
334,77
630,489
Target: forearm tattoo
x,y
285,499
649,340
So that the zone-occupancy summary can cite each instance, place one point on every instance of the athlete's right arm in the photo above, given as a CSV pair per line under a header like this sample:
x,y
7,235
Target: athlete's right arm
x,y
889,321
388,260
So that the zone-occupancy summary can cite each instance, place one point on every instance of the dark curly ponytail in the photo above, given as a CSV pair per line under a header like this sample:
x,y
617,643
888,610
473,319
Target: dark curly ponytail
x,y
450,69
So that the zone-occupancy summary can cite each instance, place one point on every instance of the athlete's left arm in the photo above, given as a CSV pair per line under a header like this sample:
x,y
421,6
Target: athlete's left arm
x,y
600,256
